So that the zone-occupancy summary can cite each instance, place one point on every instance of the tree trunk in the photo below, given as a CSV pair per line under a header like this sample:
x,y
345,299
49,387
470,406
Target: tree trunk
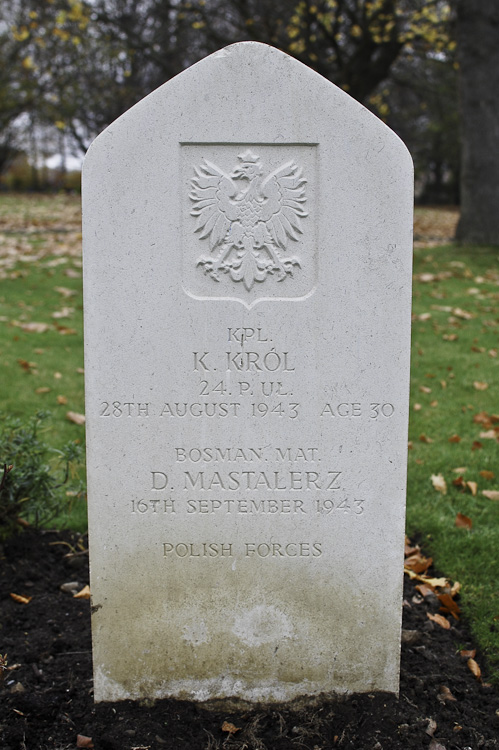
x,y
478,54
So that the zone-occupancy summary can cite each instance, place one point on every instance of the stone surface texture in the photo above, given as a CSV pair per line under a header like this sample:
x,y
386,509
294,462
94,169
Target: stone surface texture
x,y
247,268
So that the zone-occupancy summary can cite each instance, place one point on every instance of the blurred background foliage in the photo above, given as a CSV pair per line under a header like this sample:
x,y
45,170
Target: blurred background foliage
x,y
70,67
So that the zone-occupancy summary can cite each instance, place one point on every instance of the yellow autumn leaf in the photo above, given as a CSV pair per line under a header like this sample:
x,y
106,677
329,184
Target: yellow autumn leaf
x,y
73,416
83,594
474,668
440,620
439,483
480,386
21,599
491,494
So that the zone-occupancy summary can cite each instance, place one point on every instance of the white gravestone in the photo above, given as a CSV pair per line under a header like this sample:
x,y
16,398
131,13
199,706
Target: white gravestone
x,y
247,240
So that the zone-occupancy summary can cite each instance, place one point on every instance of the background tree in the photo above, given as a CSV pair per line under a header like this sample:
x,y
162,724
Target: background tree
x,y
477,25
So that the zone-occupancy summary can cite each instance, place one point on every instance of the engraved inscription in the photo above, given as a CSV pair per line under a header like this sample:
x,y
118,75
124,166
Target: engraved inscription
x,y
248,218
249,549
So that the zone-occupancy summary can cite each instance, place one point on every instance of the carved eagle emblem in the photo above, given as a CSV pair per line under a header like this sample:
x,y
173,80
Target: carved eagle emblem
x,y
248,218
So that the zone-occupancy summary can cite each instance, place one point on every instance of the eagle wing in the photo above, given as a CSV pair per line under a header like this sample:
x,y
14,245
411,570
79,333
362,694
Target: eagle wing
x,y
282,211
212,193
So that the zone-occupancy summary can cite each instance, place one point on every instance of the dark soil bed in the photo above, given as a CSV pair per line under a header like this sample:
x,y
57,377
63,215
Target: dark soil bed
x,y
46,698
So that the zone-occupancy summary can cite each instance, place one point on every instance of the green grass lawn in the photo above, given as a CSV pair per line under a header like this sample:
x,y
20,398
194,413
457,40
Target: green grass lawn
x,y
455,375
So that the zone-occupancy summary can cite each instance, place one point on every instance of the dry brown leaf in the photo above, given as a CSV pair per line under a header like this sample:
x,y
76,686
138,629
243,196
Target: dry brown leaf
x,y
424,589
80,371
449,606
476,445
468,654
417,407
418,563
463,522
57,375
62,400
460,470
474,668
73,416
82,741
433,403
450,337
491,494
83,594
459,482
230,728
440,620
43,390
424,389
425,439
454,439
487,474
473,487
439,483
444,694
21,599
480,386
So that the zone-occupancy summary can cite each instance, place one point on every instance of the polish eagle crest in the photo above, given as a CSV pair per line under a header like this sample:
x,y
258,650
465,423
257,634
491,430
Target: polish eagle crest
x,y
248,218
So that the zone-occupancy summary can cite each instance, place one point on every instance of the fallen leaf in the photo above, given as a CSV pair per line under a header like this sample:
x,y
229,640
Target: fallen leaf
x,y
82,741
431,728
491,494
424,589
439,483
424,439
476,446
43,390
487,474
454,439
424,389
480,386
57,375
468,654
489,434
460,470
418,563
440,620
21,599
473,487
433,403
444,694
80,371
75,417
463,522
230,728
62,400
449,606
417,407
83,594
463,314
435,745
66,312
64,291
474,668
32,327
456,588
459,482
450,337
